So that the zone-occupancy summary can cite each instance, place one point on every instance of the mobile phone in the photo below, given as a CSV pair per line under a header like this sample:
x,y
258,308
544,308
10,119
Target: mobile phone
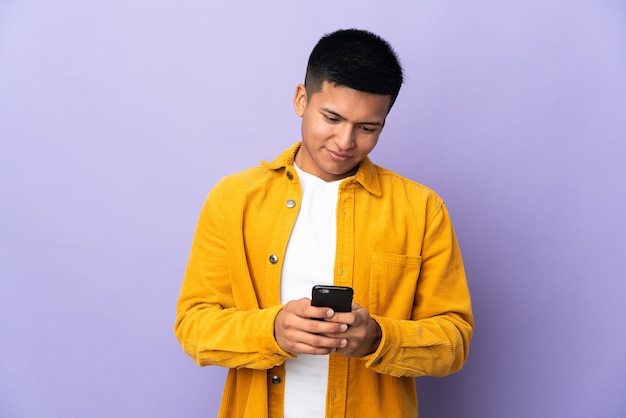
x,y
338,298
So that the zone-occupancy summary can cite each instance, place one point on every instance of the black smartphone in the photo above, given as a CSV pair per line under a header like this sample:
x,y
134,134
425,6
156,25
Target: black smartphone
x,y
339,298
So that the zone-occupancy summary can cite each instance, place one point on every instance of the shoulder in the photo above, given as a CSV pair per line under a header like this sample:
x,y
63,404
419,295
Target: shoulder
x,y
396,185
247,179
409,195
238,183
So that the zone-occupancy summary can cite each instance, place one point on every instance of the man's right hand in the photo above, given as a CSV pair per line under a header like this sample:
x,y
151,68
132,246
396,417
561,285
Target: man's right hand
x,y
298,329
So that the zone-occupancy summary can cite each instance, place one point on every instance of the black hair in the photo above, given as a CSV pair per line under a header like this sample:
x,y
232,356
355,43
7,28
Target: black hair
x,y
357,59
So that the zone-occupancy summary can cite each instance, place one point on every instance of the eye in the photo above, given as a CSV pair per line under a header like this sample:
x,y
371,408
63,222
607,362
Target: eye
x,y
330,118
367,129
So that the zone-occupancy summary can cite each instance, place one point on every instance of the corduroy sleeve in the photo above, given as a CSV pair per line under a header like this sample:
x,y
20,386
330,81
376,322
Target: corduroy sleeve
x,y
435,341
209,325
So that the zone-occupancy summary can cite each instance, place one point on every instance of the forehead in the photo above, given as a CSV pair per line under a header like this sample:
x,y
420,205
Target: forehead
x,y
350,103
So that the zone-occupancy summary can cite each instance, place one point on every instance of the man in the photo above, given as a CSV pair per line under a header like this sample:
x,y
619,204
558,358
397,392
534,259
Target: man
x,y
323,213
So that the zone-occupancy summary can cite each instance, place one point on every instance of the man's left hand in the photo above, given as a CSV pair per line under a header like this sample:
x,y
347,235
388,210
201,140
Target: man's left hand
x,y
363,333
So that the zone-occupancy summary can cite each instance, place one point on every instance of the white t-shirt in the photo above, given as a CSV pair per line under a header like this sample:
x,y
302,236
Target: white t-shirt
x,y
309,260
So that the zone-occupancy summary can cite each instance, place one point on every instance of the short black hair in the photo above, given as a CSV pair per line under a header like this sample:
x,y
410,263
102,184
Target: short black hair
x,y
354,58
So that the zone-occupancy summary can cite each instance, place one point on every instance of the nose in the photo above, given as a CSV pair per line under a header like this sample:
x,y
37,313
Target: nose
x,y
345,137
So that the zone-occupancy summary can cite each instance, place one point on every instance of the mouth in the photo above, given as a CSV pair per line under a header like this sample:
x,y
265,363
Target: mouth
x,y
339,156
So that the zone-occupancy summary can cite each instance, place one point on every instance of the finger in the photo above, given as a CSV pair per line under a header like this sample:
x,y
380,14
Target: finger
x,y
320,313
302,308
348,318
307,343
325,327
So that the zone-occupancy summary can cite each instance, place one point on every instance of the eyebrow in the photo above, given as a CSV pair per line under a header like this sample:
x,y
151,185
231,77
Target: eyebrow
x,y
343,118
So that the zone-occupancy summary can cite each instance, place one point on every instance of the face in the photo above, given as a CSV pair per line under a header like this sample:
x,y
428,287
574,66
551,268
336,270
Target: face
x,y
340,127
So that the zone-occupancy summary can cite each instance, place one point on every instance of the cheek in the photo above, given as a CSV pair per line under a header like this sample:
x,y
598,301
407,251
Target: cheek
x,y
319,131
367,144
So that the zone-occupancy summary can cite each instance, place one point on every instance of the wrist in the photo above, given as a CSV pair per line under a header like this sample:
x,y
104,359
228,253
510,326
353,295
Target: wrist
x,y
377,336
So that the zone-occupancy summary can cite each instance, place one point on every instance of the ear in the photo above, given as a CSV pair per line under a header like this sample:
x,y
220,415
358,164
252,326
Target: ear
x,y
300,100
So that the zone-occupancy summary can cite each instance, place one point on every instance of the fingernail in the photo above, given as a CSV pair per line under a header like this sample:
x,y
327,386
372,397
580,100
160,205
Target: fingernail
x,y
344,343
329,313
343,327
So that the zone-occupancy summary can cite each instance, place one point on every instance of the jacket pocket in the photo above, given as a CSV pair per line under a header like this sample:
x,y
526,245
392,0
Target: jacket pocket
x,y
393,282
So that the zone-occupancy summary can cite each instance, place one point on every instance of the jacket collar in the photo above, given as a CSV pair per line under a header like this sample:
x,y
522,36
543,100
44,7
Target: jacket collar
x,y
366,176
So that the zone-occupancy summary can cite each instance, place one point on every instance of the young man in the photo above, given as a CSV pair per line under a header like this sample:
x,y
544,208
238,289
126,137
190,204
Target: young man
x,y
323,213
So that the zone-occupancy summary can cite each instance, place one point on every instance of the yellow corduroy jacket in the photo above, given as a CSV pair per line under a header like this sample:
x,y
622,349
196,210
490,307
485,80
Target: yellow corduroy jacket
x,y
395,246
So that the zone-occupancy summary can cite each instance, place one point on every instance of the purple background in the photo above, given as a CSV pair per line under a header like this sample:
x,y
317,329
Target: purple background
x,y
117,117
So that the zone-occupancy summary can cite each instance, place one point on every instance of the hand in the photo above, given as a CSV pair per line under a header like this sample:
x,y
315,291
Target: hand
x,y
363,333
298,332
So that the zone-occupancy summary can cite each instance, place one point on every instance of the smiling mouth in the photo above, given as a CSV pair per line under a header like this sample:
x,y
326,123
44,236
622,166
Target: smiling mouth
x,y
338,155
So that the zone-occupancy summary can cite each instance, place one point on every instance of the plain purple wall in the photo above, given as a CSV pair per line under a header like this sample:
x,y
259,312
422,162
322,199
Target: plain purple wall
x,y
117,117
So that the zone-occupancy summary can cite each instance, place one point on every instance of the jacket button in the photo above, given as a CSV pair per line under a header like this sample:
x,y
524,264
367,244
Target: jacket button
x,y
378,361
276,380
289,175
291,203
273,259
